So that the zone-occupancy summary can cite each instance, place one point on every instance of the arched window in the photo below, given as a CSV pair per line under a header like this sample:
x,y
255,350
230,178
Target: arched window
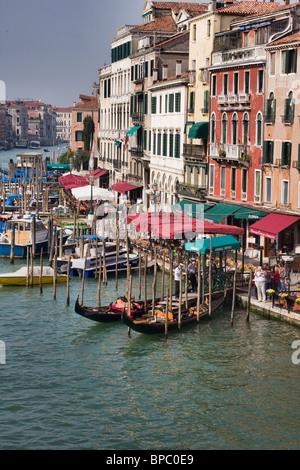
x,y
245,128
224,128
234,128
258,129
213,129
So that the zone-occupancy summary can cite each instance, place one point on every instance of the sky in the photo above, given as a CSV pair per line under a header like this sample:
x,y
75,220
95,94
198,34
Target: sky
x,y
51,50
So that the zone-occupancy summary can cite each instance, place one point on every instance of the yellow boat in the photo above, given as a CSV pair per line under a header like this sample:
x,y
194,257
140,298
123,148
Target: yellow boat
x,y
20,277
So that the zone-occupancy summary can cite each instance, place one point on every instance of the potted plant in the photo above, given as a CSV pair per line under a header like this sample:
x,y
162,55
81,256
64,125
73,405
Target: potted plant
x,y
222,153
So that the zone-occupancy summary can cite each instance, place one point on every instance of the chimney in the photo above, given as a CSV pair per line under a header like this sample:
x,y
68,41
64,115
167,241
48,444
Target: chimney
x,y
164,72
178,68
286,2
74,104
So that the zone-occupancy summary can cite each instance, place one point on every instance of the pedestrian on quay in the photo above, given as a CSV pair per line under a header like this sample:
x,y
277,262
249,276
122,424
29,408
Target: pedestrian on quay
x,y
282,276
192,275
177,277
276,278
260,282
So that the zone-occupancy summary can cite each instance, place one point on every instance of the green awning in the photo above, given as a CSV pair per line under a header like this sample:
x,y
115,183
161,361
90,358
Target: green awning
x,y
133,130
190,208
226,243
199,131
249,214
117,144
58,166
220,211
188,123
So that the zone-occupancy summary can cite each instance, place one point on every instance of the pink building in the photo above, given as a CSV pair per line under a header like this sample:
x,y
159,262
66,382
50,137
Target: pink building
x,y
87,107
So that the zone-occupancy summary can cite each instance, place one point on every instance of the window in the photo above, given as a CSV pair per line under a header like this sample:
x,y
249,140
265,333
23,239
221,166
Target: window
x,y
154,143
289,61
151,67
268,151
260,81
289,107
171,144
246,39
213,129
177,102
144,140
194,32
224,128
153,104
247,82
286,150
272,63
284,192
208,28
245,128
171,103
233,179
234,129
149,140
214,85
192,102
211,178
146,103
78,136
268,189
206,102
165,142
159,143
223,178
258,129
257,185
177,146
244,180
270,109
79,117
225,84
236,83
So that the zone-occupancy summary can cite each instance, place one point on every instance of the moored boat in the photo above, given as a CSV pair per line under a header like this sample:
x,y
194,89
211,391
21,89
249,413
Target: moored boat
x,y
24,276
156,324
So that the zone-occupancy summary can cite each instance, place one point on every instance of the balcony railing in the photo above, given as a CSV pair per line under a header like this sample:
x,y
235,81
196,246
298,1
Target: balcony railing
x,y
228,151
137,117
136,152
247,54
198,192
195,151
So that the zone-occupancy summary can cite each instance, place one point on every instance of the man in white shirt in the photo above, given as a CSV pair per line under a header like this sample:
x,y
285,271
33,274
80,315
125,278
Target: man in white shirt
x,y
177,277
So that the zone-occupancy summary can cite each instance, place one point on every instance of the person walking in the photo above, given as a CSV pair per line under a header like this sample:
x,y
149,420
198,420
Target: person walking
x,y
260,282
282,275
177,277
192,275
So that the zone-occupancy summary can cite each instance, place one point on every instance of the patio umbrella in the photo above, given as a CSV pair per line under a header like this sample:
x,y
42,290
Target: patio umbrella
x,y
84,194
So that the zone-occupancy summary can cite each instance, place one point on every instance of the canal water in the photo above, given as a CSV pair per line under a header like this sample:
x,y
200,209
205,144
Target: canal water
x,y
69,383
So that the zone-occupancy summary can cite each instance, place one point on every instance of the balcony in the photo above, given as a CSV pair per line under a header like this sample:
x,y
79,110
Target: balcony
x,y
194,151
226,152
137,117
236,56
198,192
244,98
136,152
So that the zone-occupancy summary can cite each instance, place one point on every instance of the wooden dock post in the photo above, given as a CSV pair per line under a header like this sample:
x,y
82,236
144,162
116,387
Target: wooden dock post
x,y
117,257
233,298
140,275
83,279
171,276
145,282
129,299
154,284
199,286
99,281
209,274
41,271
27,275
12,246
163,277
31,268
180,303
54,275
68,281
186,284
167,309
33,236
104,263
249,296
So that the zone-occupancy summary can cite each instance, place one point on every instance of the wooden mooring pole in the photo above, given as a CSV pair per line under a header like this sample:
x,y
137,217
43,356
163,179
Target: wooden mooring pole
x,y
233,297
249,296
41,271
68,281
167,309
199,286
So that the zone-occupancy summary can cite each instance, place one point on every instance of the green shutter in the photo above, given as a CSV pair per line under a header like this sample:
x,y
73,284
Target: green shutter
x,y
171,142
206,101
298,155
149,144
177,102
292,105
265,151
271,144
159,144
108,88
283,153
131,105
288,153
171,103
192,101
145,140
153,104
145,103
177,146
165,141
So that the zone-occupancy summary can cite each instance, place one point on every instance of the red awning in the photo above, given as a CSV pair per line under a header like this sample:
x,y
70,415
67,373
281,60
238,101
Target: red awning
x,y
73,181
97,173
272,224
122,187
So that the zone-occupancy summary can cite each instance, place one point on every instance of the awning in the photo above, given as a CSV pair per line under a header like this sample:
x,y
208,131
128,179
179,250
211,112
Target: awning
x,y
272,224
122,187
133,130
199,131
249,214
220,211
188,123
226,243
58,166
98,172
117,144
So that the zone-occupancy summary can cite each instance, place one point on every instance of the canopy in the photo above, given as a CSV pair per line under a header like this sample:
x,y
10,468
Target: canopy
x,y
190,208
97,173
199,131
170,225
73,181
58,166
249,214
226,243
122,187
133,130
84,194
272,224
220,211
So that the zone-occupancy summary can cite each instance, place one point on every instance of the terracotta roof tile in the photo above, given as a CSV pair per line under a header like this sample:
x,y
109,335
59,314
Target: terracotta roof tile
x,y
165,23
189,7
289,39
250,7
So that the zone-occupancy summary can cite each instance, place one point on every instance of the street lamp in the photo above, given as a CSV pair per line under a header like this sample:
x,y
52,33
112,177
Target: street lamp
x,y
155,196
92,178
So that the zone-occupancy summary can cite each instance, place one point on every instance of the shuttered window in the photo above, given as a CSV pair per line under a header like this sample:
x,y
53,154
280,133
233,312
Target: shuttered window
x,y
153,104
177,146
177,102
165,143
171,144
268,151
286,148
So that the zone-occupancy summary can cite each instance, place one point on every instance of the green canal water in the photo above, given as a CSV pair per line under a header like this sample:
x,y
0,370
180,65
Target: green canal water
x,y
69,383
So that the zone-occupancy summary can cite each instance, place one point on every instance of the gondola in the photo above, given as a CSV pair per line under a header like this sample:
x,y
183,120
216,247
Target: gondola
x,y
112,312
150,325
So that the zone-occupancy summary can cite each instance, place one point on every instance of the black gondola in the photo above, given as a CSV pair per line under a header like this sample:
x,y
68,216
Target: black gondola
x,y
111,313
150,324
